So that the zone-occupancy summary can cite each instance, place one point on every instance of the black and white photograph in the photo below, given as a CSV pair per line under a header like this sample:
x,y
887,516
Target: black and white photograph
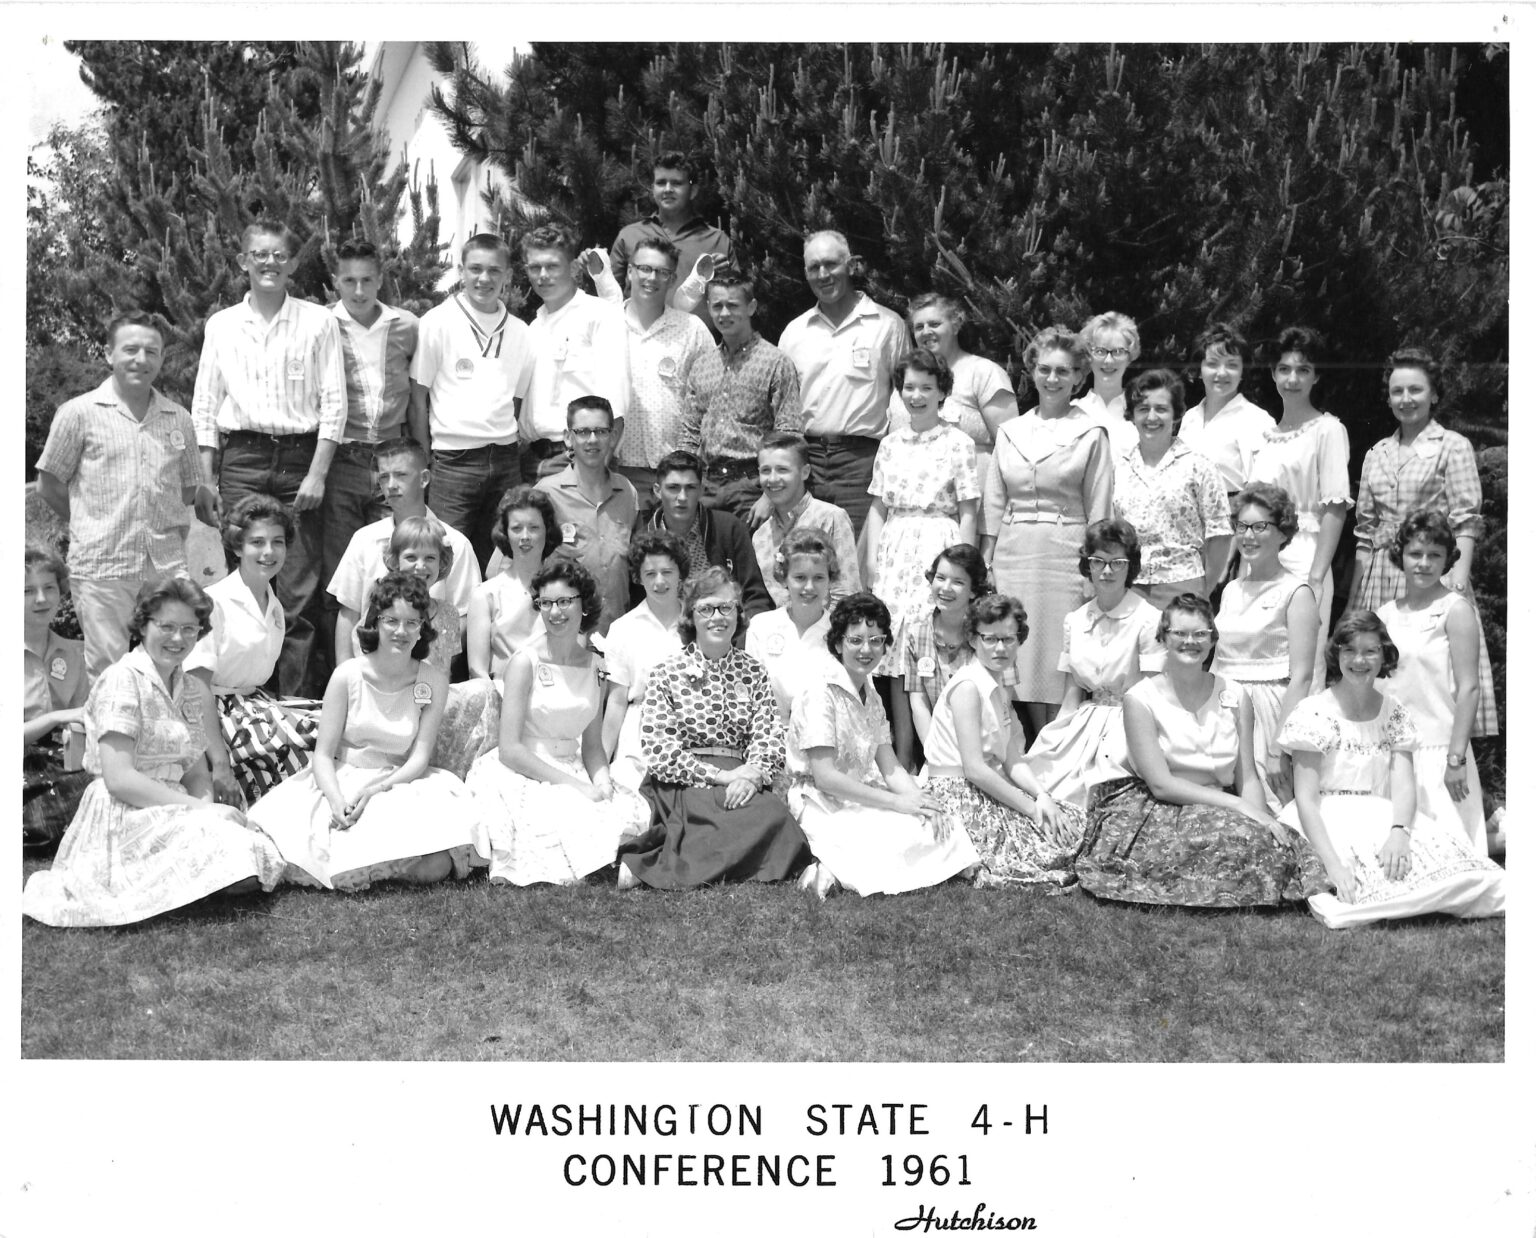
x,y
770,633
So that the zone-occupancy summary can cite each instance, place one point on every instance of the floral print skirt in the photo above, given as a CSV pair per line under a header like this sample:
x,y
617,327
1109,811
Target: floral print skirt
x,y
1013,850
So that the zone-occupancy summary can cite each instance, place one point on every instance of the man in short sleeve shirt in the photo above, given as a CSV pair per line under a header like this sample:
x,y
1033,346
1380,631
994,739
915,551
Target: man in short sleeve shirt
x,y
120,467
844,349
469,381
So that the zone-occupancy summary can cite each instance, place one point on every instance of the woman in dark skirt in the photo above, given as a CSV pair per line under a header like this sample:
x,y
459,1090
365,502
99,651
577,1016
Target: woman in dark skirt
x,y
712,739
52,709
1191,828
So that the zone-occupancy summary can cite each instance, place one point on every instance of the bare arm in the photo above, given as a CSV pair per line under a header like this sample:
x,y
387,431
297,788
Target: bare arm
x,y
1148,760
54,493
832,781
515,753
477,637
1330,524
1004,406
1308,780
346,622
420,415
125,782
1301,638
968,521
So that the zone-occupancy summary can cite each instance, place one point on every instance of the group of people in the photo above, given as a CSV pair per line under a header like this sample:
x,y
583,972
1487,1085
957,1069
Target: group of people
x,y
876,630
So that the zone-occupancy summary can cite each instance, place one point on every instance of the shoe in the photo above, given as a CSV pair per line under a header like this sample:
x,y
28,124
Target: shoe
x,y
807,876
627,879
825,882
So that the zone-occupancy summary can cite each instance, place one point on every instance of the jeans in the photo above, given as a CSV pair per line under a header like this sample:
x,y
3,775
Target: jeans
x,y
735,494
841,468
543,458
466,487
277,465
352,500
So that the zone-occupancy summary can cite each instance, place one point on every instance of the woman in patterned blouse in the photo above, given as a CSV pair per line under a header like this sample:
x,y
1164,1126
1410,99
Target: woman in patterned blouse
x,y
712,740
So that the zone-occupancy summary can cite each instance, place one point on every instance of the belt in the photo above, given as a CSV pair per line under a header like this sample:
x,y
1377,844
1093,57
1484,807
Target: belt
x,y
733,753
280,440
459,453
1105,696
360,447
1012,516
727,467
828,441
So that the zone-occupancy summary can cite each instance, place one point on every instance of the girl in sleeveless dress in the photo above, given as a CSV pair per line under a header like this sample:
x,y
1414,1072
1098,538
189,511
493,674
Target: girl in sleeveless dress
x,y
369,807
502,618
1391,851
552,812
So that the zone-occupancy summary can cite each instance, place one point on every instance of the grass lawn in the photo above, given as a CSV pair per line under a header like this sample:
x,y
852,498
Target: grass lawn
x,y
476,972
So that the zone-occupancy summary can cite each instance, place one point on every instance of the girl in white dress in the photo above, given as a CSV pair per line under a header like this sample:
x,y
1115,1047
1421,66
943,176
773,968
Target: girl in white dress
x,y
1390,850
1113,342
502,618
370,807
1268,625
1307,456
1438,637
870,826
552,812
791,640
925,486
638,640
1108,644
147,837
1226,427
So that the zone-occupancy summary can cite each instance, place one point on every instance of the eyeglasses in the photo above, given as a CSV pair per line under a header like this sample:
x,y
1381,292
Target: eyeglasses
x,y
866,642
1058,371
564,603
1101,353
648,272
268,255
1196,637
187,631
1097,564
592,432
395,624
998,638
708,610
1256,526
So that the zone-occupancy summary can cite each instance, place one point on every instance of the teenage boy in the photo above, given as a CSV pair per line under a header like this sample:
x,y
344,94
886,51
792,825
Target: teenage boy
x,y
674,187
712,538
120,467
844,349
469,380
270,405
784,469
737,393
401,468
377,344
595,506
580,348
664,345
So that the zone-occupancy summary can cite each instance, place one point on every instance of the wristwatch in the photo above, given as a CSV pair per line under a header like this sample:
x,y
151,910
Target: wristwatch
x,y
1454,761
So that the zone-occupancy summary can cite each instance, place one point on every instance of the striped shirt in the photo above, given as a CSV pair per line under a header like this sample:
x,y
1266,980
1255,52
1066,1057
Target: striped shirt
x,y
377,362
734,400
125,478
278,377
661,357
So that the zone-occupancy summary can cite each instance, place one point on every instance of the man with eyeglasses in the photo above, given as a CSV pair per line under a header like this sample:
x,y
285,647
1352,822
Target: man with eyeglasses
x,y
664,344
844,349
469,380
269,406
580,348
674,187
712,538
595,506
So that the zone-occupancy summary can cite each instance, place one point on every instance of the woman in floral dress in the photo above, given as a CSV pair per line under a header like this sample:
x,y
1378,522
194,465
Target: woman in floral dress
x,y
147,837
1190,826
1390,851
976,768
872,829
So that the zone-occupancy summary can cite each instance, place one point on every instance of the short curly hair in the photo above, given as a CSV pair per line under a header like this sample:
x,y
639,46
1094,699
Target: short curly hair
x,y
416,531
579,579
923,361
993,607
804,542
395,587
1112,532
948,306
1432,526
1190,604
1350,625
550,236
1056,337
856,608
1157,380
711,580
1225,339
1413,358
650,542
970,561
256,508
1120,324
526,498
1275,500
154,594
44,559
